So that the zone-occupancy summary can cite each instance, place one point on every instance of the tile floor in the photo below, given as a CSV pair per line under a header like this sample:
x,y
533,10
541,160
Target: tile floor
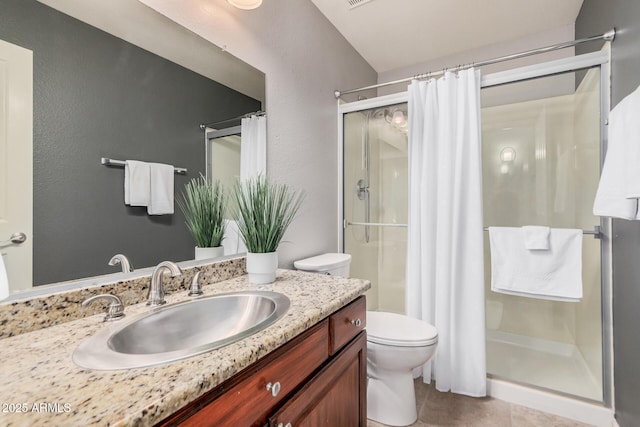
x,y
448,409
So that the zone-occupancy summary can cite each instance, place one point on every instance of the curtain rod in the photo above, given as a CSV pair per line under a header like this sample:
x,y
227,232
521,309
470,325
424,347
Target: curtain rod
x,y
204,126
608,36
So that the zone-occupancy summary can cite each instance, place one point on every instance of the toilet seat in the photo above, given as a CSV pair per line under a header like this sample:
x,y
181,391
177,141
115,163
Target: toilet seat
x,y
399,330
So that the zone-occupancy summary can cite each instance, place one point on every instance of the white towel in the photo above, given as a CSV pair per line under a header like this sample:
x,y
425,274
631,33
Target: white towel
x,y
136,183
232,242
4,280
619,187
161,200
554,274
536,237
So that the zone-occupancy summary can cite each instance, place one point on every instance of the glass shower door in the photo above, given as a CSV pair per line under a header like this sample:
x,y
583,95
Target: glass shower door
x,y
541,165
375,201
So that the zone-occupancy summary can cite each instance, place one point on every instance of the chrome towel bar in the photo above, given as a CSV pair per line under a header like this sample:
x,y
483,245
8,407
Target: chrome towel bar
x,y
596,232
120,163
376,224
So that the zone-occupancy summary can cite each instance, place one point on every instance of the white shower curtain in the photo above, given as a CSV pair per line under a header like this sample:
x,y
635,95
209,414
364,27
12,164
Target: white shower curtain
x,y
253,147
445,267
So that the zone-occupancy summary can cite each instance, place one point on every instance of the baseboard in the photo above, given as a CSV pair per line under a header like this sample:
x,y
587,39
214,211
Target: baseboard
x,y
578,410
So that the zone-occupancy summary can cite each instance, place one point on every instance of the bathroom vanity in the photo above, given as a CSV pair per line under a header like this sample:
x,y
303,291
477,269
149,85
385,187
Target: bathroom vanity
x,y
319,378
309,365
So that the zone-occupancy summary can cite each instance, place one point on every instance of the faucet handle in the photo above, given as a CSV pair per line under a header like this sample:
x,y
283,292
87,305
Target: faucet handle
x,y
116,308
196,288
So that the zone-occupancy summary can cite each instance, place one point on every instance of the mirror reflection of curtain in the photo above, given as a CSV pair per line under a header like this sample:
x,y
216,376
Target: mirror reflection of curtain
x,y
253,155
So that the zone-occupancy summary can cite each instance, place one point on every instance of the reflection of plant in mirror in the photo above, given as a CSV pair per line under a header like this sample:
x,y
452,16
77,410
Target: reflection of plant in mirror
x,y
202,204
264,210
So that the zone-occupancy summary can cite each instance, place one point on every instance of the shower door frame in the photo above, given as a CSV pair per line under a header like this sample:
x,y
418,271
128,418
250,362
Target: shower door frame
x,y
599,59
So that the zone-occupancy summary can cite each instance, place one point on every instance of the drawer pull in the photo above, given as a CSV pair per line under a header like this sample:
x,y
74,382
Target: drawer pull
x,y
274,388
356,323
281,425
288,425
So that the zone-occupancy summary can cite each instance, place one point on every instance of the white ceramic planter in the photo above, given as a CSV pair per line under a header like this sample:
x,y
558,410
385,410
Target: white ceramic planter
x,y
206,253
262,267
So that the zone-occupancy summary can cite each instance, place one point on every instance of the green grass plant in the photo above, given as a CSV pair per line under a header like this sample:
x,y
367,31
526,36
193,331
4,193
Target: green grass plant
x,y
263,212
202,204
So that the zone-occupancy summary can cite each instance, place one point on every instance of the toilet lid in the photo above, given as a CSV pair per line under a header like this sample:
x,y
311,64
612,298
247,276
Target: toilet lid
x,y
396,329
322,262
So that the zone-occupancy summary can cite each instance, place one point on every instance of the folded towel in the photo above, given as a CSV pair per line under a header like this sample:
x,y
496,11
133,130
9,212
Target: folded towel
x,y
553,274
232,242
161,200
536,237
4,281
136,183
619,187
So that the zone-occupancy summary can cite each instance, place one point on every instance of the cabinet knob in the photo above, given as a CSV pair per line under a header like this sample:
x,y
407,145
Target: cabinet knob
x,y
274,388
356,323
288,425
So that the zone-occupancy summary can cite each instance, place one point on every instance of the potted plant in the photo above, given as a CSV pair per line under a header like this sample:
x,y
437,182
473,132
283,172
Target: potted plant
x,y
263,211
202,204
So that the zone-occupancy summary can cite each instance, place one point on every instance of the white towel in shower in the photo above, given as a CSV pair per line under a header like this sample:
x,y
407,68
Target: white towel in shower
x,y
619,187
536,237
554,274
161,200
136,183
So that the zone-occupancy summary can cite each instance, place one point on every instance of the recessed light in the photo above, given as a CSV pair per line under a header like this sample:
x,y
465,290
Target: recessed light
x,y
245,4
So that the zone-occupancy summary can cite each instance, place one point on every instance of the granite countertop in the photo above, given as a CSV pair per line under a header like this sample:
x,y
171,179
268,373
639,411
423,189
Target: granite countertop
x,y
41,386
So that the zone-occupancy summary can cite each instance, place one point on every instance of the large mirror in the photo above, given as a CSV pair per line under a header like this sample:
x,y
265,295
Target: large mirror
x,y
114,80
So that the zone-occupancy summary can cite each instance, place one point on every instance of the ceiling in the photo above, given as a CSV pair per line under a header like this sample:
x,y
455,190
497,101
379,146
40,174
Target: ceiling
x,y
392,34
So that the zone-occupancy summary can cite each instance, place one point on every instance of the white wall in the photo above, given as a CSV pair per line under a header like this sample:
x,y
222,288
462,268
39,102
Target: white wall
x,y
497,50
305,59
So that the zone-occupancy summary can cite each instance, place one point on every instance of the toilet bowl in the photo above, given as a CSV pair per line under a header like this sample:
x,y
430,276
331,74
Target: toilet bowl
x,y
396,345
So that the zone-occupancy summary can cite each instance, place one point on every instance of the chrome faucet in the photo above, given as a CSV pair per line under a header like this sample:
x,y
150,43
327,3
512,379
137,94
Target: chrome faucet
x,y
116,308
156,290
123,261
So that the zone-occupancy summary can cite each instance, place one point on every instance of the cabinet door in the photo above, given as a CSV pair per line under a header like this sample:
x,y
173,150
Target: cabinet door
x,y
336,396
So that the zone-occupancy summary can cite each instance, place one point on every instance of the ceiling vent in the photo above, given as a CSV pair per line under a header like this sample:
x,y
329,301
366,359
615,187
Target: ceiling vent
x,y
355,3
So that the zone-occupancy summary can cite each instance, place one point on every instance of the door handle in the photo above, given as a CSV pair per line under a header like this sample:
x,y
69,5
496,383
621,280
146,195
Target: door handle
x,y
15,239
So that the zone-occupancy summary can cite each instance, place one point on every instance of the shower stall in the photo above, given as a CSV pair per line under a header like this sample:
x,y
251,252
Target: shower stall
x,y
543,138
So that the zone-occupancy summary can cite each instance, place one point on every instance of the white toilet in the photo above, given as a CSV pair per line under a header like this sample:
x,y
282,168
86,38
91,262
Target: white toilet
x,y
396,345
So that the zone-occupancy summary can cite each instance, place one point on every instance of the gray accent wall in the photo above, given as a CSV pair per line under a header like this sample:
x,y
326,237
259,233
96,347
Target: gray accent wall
x,y
96,95
597,16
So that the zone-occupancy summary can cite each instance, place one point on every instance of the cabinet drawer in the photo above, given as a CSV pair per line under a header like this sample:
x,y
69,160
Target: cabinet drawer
x,y
346,324
249,402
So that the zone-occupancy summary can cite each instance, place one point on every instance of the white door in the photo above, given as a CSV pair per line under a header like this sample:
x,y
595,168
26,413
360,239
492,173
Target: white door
x,y
16,162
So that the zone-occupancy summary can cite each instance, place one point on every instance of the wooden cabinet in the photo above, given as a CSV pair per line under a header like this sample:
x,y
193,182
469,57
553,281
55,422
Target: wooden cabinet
x,y
317,379
336,396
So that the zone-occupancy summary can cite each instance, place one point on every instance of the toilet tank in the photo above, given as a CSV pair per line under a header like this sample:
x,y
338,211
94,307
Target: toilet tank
x,y
334,264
